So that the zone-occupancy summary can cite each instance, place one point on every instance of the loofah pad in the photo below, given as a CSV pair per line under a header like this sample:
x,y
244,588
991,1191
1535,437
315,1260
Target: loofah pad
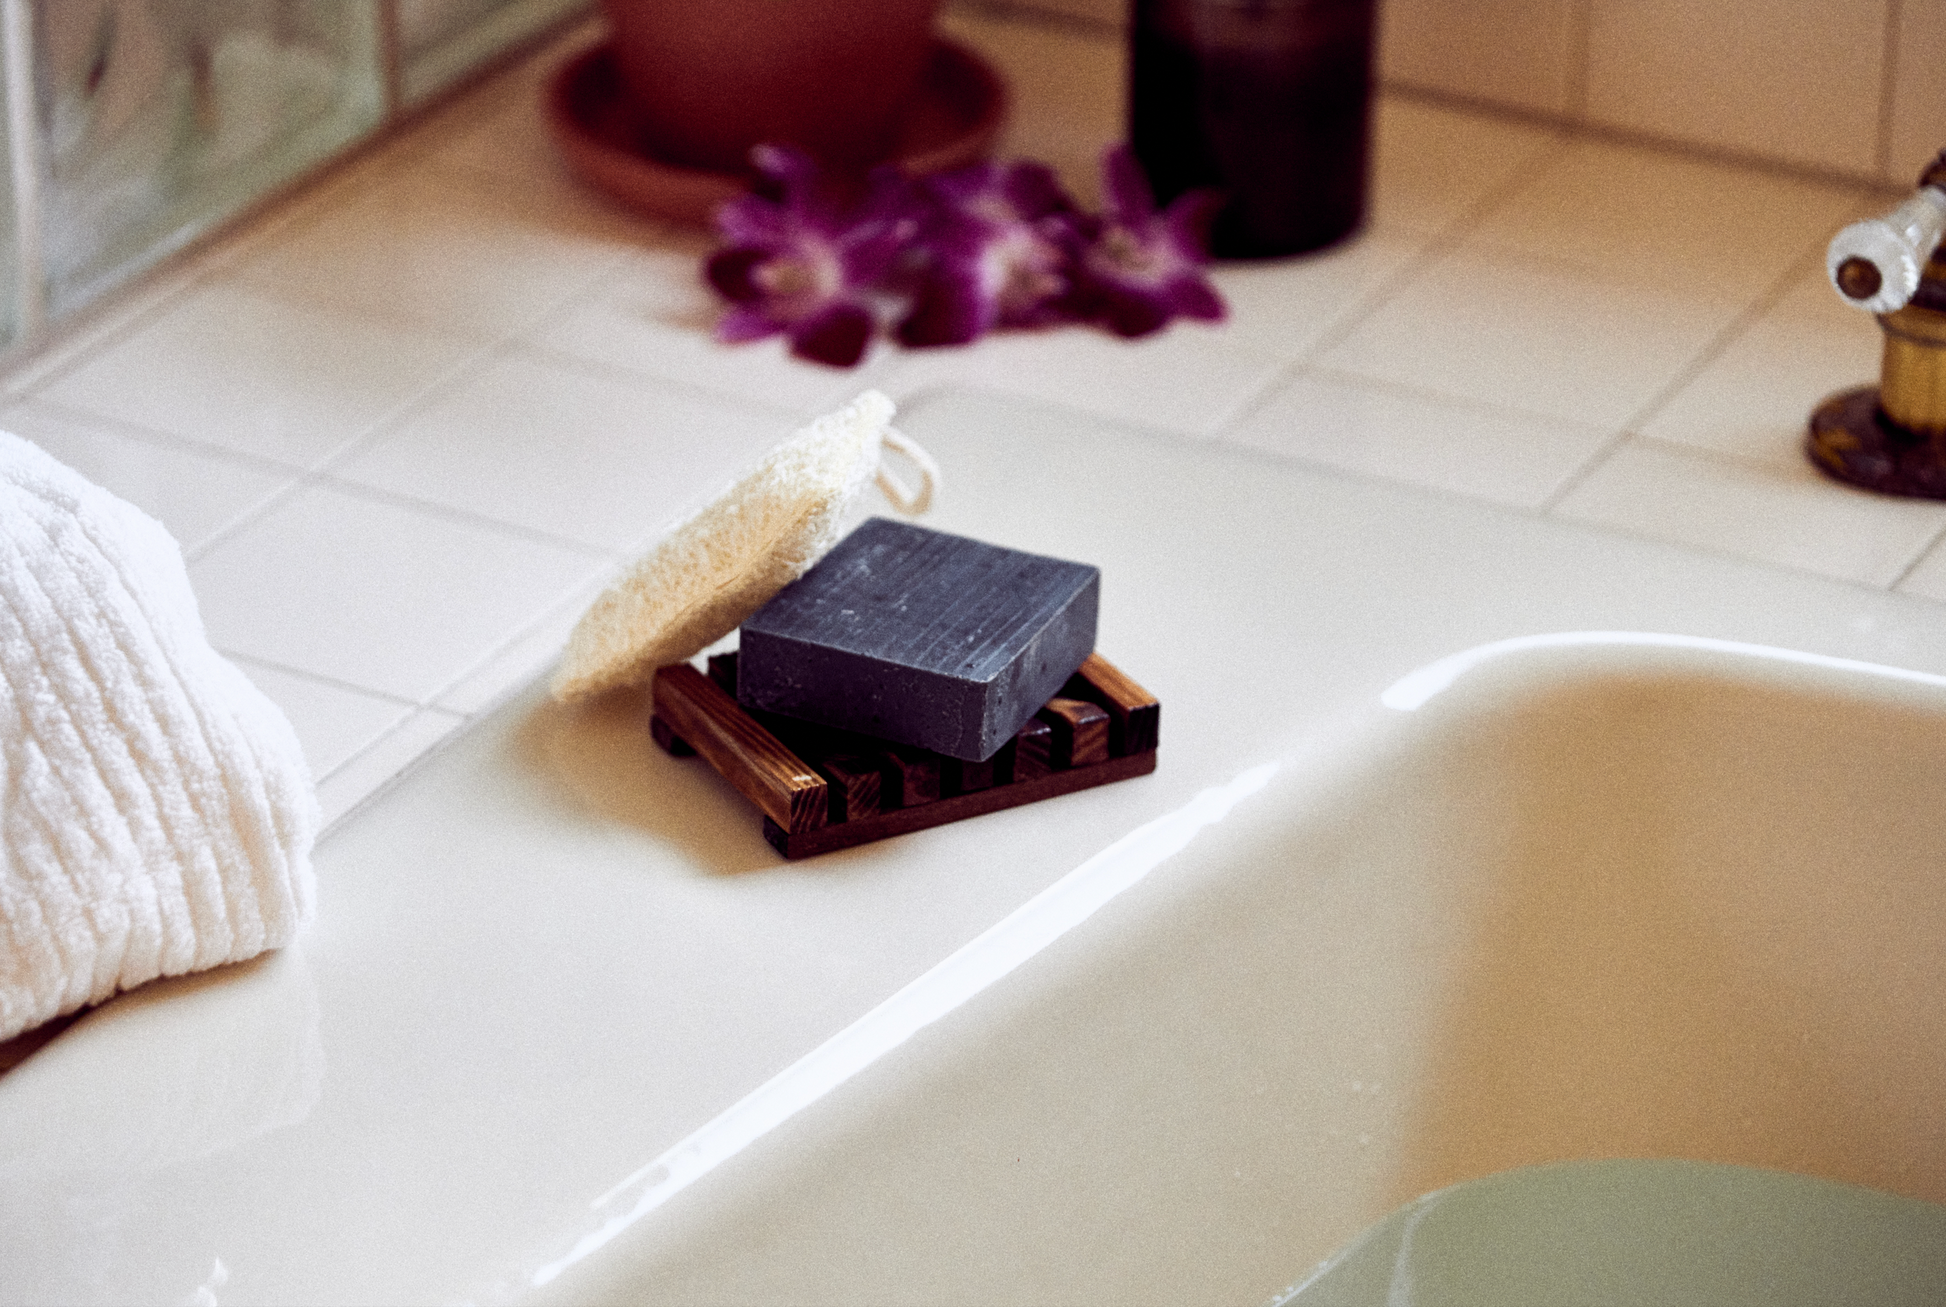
x,y
159,814
725,562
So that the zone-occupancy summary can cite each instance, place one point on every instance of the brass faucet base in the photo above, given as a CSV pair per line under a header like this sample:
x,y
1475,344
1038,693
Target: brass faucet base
x,y
1851,439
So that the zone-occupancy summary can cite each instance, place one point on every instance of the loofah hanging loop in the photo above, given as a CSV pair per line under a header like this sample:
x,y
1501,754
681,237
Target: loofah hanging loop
x,y
722,563
908,501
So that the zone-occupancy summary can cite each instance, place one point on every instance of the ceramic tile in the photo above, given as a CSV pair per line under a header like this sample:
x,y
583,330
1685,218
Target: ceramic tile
x,y
194,494
1433,165
1528,334
1917,90
1508,458
600,460
248,371
1927,579
375,595
655,316
1209,378
1688,226
1521,53
502,135
1281,308
384,761
333,722
437,248
96,326
1795,80
1793,518
530,654
1752,400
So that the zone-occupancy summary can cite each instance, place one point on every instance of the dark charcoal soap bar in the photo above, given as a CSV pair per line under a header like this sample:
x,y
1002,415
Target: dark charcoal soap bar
x,y
921,638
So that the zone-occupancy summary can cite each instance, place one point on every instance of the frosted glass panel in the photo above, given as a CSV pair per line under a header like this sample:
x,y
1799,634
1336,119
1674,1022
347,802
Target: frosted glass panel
x,y
159,118
10,288
443,40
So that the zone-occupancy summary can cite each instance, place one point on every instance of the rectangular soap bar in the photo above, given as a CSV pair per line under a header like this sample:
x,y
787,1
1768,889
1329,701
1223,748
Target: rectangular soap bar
x,y
921,638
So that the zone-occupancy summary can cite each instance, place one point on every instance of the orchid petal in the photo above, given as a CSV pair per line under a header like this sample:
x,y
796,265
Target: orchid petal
x,y
729,271
1034,191
1187,222
741,325
837,335
1196,298
1128,186
950,309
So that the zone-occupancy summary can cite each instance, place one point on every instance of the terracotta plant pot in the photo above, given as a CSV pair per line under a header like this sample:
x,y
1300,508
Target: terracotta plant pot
x,y
711,78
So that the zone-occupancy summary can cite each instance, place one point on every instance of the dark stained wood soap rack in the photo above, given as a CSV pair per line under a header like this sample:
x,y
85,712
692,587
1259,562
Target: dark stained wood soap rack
x,y
821,789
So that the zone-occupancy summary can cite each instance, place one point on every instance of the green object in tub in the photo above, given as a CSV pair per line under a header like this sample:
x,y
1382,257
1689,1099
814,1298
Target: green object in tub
x,y
1672,1233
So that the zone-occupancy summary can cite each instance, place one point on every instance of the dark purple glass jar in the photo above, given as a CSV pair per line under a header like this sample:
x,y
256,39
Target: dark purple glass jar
x,y
1267,100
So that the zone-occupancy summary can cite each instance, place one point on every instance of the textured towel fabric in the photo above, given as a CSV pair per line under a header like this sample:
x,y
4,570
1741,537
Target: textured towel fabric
x,y
720,565
156,813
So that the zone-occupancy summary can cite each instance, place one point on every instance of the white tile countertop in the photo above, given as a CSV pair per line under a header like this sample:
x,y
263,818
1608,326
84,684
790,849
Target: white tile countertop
x,y
448,351
407,422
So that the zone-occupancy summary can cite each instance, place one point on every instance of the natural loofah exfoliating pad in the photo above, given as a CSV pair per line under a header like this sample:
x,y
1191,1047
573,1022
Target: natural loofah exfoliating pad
x,y
723,563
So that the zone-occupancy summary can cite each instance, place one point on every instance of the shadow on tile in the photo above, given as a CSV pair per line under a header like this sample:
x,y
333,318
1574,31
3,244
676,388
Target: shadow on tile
x,y
598,755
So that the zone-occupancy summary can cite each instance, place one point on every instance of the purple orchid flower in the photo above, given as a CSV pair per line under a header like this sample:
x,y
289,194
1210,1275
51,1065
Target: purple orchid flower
x,y
805,255
1144,268
1001,241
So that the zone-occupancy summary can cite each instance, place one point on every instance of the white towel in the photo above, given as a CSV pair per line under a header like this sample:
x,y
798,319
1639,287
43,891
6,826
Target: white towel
x,y
156,813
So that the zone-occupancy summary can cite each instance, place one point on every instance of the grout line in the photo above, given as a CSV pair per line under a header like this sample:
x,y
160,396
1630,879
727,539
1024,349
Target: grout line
x,y
554,356
96,328
1912,566
580,596
1466,403
334,682
1752,313
457,516
1384,289
461,719
159,437
1674,146
1280,380
1888,88
1438,246
313,474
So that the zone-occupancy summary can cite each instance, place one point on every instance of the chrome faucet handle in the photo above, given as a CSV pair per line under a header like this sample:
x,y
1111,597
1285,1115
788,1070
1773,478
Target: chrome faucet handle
x,y
1876,264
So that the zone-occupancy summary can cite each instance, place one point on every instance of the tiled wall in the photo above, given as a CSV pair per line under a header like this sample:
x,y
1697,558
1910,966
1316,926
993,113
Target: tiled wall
x,y
1854,87
138,127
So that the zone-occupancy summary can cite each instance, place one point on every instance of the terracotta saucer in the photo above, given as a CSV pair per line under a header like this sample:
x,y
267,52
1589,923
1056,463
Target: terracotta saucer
x,y
961,107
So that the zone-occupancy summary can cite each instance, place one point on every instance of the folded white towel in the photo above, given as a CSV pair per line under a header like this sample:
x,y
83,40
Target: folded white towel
x,y
156,813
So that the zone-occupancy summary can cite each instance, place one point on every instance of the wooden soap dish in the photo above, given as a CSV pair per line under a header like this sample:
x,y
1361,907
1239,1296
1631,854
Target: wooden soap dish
x,y
821,789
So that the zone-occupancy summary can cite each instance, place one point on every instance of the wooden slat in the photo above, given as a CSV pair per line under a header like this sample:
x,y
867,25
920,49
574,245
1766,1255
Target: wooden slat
x,y
958,776
1134,715
917,775
1033,751
855,784
822,780
804,844
671,744
749,757
1080,732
